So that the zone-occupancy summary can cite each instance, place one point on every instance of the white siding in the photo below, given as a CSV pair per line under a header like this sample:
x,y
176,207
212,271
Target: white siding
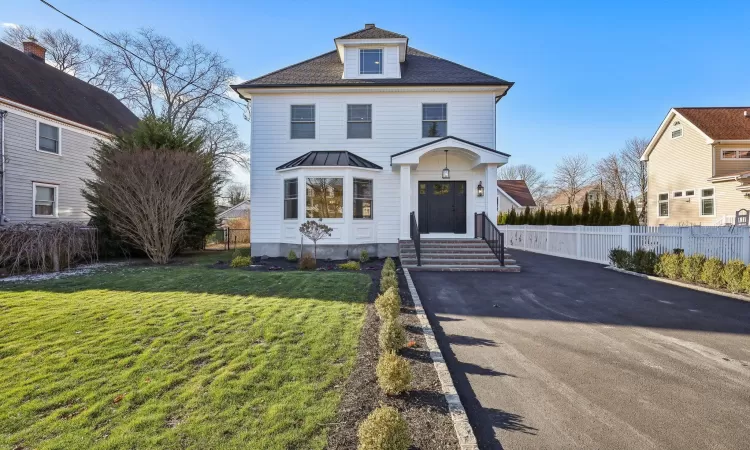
x,y
396,127
26,165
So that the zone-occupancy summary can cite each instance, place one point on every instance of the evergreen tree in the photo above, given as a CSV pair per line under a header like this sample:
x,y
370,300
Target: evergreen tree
x,y
605,219
542,216
568,219
585,212
595,214
632,215
512,218
527,216
577,218
618,217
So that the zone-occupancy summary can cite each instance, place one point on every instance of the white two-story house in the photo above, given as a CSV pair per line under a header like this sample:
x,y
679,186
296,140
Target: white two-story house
x,y
366,134
49,124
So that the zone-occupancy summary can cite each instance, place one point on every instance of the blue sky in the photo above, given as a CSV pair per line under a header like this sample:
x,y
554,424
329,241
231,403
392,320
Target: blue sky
x,y
589,75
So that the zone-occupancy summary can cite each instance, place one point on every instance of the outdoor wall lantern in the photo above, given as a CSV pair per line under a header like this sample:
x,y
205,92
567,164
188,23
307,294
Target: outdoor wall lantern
x,y
446,171
480,190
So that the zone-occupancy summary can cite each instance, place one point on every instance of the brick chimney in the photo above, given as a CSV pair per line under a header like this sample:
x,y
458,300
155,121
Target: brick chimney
x,y
369,25
32,48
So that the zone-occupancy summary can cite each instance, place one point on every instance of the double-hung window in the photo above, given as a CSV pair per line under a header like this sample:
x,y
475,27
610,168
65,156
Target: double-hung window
x,y
325,198
303,122
45,200
663,205
362,198
434,120
291,196
708,205
371,61
359,121
49,138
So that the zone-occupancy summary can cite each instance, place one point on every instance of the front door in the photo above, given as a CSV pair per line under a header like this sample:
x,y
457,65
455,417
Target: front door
x,y
442,207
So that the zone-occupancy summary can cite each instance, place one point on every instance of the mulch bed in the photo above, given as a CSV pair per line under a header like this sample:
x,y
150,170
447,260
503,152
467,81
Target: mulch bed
x,y
423,406
372,268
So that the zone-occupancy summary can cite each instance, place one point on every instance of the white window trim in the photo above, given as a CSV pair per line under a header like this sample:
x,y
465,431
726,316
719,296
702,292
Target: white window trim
x,y
382,62
56,187
684,193
700,206
372,181
283,199
315,122
421,120
59,137
722,150
372,120
658,204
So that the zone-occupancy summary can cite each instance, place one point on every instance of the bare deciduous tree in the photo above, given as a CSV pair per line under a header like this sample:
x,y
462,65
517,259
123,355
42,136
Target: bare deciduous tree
x,y
534,179
16,34
147,193
615,178
630,156
571,175
236,193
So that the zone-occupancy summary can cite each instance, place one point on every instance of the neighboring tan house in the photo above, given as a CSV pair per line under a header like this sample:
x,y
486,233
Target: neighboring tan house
x,y
49,123
366,134
592,192
699,166
514,194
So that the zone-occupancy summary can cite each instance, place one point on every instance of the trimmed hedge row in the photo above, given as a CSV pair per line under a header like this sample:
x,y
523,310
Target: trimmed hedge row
x,y
733,276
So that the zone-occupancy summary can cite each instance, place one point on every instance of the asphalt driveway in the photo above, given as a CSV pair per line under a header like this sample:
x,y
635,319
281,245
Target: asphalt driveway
x,y
568,355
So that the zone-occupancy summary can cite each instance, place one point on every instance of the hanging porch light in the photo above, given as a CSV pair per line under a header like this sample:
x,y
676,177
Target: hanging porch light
x,y
446,171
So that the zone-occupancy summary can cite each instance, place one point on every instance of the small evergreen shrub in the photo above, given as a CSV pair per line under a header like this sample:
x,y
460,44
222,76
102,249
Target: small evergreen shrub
x,y
389,264
670,265
692,266
364,256
350,265
394,374
307,262
236,253
644,261
291,257
240,261
620,258
746,280
731,275
388,304
711,274
392,336
388,281
384,429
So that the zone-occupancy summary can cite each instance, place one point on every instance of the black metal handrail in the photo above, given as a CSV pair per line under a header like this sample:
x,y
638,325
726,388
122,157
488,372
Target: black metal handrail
x,y
415,236
484,228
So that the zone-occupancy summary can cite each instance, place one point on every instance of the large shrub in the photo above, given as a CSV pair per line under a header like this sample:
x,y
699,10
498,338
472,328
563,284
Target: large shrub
x,y
384,429
46,247
394,374
711,274
620,258
670,265
388,304
731,275
692,266
746,280
392,336
644,261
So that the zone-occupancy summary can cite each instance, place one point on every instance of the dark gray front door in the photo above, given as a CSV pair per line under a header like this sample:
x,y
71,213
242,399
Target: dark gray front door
x,y
442,207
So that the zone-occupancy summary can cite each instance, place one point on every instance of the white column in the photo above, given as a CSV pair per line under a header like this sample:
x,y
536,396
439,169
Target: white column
x,y
405,201
490,192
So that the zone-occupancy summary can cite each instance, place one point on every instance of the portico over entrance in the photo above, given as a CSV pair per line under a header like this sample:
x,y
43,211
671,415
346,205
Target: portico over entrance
x,y
445,182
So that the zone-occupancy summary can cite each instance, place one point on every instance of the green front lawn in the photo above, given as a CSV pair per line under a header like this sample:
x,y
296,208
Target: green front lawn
x,y
177,357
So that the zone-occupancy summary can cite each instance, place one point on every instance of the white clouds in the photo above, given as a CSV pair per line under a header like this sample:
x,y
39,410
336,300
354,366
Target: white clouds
x,y
10,25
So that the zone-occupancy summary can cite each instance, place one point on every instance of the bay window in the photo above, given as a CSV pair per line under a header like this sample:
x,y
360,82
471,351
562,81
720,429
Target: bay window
x,y
325,198
291,196
362,199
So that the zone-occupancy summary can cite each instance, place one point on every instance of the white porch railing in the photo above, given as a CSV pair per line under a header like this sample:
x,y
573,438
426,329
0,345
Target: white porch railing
x,y
594,243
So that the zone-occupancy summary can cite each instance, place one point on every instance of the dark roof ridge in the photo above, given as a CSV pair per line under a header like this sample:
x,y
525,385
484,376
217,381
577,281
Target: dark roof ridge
x,y
346,36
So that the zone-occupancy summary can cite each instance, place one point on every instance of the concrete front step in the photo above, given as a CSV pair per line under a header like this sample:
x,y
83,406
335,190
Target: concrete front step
x,y
484,268
443,251
452,255
456,262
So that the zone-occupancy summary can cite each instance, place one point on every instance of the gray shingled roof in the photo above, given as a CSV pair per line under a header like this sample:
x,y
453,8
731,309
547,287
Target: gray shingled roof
x,y
329,159
26,80
372,33
419,68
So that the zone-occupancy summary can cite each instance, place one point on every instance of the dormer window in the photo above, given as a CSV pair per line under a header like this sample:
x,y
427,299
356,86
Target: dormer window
x,y
371,61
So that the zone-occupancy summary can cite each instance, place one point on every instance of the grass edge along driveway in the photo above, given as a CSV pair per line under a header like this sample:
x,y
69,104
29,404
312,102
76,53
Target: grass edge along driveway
x,y
177,357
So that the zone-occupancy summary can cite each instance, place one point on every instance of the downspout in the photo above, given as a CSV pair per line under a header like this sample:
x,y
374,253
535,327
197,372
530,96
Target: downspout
x,y
3,219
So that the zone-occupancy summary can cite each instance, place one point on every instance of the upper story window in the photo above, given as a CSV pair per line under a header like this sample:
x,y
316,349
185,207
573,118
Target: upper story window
x,y
735,154
359,121
303,122
434,120
49,138
676,130
371,61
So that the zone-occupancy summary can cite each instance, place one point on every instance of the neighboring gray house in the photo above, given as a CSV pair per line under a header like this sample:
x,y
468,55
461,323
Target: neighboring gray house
x,y
49,123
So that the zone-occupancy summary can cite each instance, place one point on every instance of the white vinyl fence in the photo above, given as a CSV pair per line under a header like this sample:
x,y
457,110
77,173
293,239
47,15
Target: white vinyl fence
x,y
594,243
